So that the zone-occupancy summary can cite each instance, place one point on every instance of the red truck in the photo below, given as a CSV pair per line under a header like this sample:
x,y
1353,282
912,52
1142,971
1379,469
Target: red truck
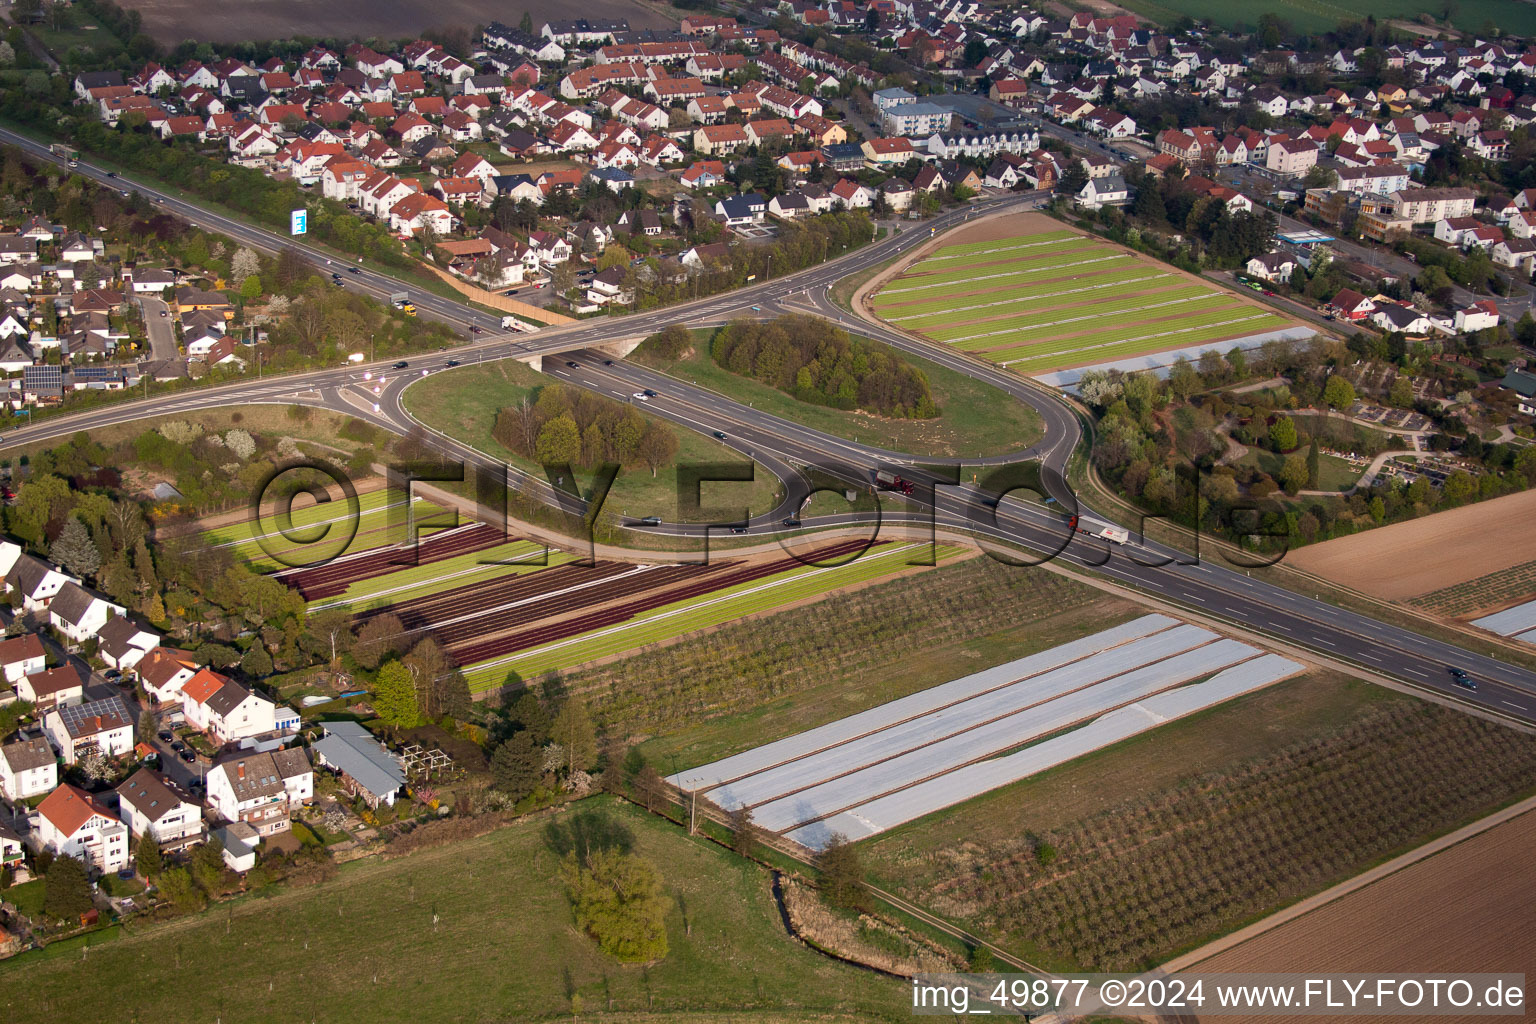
x,y
888,481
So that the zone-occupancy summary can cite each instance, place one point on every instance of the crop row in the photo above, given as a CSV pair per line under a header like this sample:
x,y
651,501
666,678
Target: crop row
x,y
729,604
1004,245
1104,313
1128,887
1022,268
1502,587
1107,345
937,312
503,561
650,586
333,579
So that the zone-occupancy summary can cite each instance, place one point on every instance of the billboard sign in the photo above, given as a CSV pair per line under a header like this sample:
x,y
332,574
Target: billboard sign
x,y
298,222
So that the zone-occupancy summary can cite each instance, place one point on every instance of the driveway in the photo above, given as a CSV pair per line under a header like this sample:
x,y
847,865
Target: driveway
x,y
157,324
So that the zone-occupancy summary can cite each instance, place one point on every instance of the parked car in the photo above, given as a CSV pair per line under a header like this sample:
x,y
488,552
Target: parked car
x,y
166,736
188,756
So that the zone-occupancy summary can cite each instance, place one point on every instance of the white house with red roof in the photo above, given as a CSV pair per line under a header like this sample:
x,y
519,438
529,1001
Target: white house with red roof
x,y
73,823
224,709
419,212
163,672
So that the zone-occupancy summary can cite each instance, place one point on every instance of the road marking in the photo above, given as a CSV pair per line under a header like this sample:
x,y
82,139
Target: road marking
x,y
1517,707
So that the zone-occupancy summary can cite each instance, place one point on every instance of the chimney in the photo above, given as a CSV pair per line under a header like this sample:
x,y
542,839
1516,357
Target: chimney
x,y
240,770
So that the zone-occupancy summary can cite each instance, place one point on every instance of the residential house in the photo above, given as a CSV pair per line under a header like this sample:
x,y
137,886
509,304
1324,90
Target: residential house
x,y
224,709
151,805
1477,317
74,823
261,788
22,656
101,726
751,208
123,643
28,768
1100,192
52,688
1351,305
1272,266
80,614
35,580
366,768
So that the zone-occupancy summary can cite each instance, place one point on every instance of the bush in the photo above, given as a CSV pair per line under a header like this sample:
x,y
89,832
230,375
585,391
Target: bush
x,y
619,902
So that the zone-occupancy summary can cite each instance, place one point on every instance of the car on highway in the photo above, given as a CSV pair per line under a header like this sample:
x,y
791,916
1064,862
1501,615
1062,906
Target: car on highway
x,y
641,396
607,362
476,329
720,435
571,363
648,521
791,521
452,362
738,529
354,270
402,365
1465,682
111,174
649,393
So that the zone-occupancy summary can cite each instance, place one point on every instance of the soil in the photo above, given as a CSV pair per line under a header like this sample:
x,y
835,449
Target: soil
x,y
1404,560
1465,909
171,21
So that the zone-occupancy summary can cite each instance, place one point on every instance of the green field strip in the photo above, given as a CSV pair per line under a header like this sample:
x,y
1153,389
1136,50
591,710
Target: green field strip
x,y
949,252
713,609
1065,345
435,577
1022,274
1108,311
982,305
1102,348
1032,254
307,515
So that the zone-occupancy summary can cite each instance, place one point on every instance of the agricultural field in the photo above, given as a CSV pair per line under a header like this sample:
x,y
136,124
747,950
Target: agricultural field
x,y
883,767
1319,15
1153,846
1046,297
1435,553
475,930
1425,913
464,402
1492,590
1518,622
722,692
975,419
323,531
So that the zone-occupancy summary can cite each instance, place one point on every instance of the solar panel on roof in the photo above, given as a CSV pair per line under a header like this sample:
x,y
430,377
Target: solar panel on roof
x,y
43,376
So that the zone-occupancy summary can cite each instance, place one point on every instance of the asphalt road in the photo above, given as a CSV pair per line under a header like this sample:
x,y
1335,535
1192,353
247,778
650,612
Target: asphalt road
x,y
157,324
1235,597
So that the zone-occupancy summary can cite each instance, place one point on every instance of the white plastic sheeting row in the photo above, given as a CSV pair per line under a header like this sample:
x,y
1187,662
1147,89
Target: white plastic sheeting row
x,y
1518,622
1002,712
913,705
915,801
866,784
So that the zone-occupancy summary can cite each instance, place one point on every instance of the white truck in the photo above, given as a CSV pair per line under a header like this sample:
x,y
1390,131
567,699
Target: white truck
x,y
1106,531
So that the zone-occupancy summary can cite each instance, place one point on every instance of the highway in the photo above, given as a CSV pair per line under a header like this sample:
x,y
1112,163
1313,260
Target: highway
x,y
782,447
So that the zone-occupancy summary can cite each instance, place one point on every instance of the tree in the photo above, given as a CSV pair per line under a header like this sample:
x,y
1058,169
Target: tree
x,y
559,442
244,264
75,550
207,864
394,695
1293,473
1282,434
379,639
180,891
1339,392
144,729
66,890
842,875
515,765
146,856
1400,393
441,688
650,787
257,663
574,731
250,291
7,54
619,902
1314,464
745,836
526,25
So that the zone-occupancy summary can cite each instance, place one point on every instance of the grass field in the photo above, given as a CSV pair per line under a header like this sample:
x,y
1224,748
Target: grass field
x,y
477,930
1317,15
1160,843
1048,298
463,403
671,621
975,419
